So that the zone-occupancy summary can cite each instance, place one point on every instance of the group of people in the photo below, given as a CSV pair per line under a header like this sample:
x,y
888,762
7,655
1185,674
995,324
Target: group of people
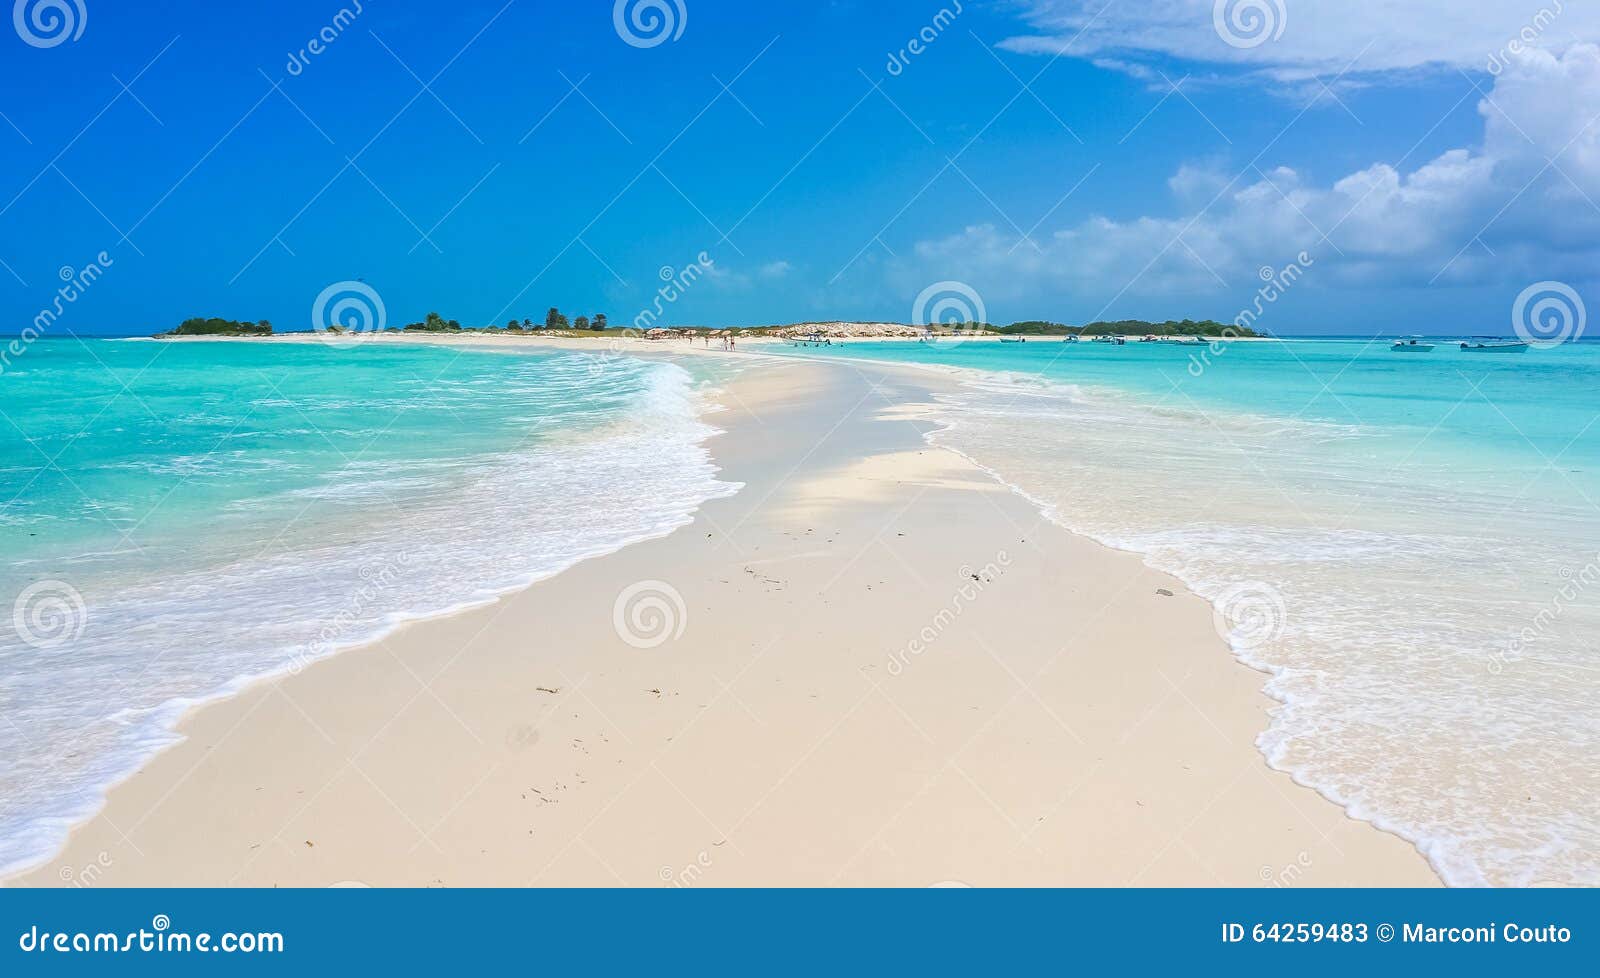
x,y
727,341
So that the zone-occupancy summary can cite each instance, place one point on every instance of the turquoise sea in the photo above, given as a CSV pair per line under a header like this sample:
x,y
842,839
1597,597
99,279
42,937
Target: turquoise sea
x,y
178,518
1407,543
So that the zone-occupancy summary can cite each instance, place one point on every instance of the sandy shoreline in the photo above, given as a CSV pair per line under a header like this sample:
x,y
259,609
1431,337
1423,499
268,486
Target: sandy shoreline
x,y
890,671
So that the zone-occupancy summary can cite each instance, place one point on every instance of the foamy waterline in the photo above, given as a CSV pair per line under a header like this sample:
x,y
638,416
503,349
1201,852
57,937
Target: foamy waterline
x,y
159,648
1377,705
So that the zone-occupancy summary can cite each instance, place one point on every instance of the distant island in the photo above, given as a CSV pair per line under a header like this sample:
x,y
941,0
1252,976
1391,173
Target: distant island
x,y
556,323
1130,327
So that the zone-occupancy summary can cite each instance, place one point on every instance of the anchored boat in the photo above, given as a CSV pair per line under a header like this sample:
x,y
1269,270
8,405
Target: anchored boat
x,y
1411,344
1493,344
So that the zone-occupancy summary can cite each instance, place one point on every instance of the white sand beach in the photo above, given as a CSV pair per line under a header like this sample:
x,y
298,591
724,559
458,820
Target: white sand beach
x,y
873,665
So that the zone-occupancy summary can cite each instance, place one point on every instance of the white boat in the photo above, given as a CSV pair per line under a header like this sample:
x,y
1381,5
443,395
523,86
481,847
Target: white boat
x,y
1493,344
1411,344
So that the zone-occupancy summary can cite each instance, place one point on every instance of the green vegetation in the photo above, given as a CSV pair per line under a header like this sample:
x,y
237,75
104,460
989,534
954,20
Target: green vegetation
x,y
1038,327
433,323
1187,327
220,327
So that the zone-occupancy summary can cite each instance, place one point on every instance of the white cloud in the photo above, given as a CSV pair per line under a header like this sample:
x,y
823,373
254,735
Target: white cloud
x,y
1300,39
1523,205
729,278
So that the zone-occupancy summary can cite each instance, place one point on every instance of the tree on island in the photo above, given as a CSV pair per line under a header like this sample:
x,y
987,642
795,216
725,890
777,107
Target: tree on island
x,y
599,321
554,319
512,325
527,324
582,322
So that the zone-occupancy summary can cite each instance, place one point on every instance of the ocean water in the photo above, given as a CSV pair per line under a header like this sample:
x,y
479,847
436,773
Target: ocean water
x,y
1408,544
176,519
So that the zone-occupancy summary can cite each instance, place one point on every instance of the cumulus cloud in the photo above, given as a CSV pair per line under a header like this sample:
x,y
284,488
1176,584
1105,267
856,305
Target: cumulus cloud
x,y
1299,39
1522,205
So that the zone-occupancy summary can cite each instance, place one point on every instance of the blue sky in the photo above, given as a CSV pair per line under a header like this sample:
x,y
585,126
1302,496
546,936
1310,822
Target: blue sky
x,y
1065,159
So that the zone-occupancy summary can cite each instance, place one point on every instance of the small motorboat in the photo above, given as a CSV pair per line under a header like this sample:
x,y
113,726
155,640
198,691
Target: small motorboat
x,y
1411,344
1493,344
1013,339
1070,338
